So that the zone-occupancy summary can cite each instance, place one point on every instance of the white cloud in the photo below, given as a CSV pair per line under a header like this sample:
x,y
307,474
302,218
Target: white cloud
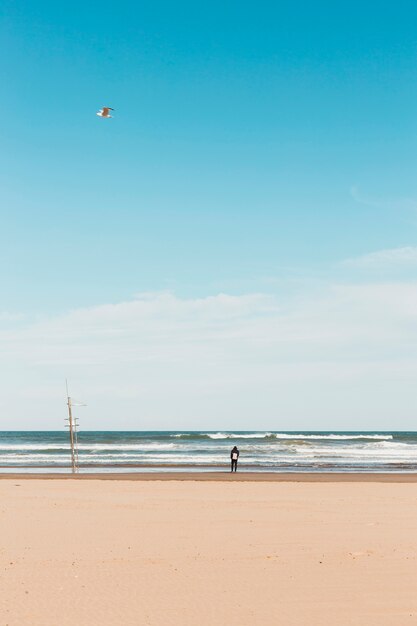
x,y
5,316
221,361
391,257
383,203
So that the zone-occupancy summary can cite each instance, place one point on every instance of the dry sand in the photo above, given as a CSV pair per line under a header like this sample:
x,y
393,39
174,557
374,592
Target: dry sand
x,y
100,552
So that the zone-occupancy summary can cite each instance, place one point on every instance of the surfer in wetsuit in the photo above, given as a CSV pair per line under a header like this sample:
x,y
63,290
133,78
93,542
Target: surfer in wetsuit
x,y
234,455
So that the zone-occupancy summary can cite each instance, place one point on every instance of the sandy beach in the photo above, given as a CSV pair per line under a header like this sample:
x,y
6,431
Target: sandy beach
x,y
213,552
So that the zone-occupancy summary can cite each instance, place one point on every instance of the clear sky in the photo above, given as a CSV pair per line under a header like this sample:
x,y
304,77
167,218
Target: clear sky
x,y
236,248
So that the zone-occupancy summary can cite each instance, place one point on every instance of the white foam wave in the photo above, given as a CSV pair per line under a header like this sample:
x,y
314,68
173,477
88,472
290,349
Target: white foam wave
x,y
332,436
391,445
290,436
345,452
238,436
34,458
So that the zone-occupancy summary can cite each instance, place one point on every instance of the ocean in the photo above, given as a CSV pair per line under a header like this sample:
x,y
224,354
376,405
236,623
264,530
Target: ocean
x,y
279,451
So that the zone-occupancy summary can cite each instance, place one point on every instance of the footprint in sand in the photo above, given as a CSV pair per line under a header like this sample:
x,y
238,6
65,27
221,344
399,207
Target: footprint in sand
x,y
356,554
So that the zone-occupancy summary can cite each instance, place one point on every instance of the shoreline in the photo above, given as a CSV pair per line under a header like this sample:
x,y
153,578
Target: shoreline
x,y
226,476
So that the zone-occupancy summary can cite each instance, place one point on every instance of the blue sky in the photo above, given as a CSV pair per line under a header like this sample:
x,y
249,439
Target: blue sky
x,y
258,150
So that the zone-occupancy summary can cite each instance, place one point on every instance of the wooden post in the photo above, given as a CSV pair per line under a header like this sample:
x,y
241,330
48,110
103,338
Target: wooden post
x,y
71,431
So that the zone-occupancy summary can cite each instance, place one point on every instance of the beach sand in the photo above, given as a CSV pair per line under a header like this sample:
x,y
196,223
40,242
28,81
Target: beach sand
x,y
207,553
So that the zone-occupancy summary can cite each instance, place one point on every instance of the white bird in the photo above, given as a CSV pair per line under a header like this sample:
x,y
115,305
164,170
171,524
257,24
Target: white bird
x,y
105,112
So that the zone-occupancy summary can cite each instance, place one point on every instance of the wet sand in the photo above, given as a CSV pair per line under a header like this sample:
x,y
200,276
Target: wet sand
x,y
221,476
225,550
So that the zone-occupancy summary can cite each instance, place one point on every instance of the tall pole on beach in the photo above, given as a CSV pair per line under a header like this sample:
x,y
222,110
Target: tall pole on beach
x,y
71,431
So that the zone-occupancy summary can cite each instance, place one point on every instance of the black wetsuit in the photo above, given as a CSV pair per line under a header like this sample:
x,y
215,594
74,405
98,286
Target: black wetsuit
x,y
234,461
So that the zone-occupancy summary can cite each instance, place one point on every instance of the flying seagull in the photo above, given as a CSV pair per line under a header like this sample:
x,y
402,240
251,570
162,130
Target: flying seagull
x,y
105,112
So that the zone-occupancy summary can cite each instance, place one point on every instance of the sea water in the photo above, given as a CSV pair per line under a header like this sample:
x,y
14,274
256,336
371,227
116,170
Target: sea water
x,y
174,450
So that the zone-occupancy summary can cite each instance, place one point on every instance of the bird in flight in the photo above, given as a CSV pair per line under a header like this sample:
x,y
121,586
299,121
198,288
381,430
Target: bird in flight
x,y
105,112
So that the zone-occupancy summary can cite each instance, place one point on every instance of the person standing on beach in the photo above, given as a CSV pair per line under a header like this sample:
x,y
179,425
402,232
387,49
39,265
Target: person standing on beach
x,y
234,455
